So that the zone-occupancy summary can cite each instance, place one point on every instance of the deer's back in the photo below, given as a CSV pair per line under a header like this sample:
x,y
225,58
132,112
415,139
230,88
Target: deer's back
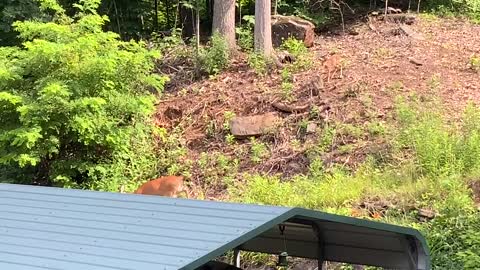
x,y
163,186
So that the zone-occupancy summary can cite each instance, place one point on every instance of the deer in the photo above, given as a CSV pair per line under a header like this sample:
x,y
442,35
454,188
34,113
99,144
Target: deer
x,y
170,186
332,64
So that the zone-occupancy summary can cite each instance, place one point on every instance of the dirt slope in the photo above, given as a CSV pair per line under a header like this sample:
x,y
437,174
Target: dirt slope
x,y
380,62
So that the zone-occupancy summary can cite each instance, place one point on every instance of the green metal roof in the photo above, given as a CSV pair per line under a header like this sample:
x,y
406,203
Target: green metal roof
x,y
54,228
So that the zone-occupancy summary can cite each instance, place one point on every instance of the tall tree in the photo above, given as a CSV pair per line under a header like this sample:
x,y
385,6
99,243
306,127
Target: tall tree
x,y
263,27
224,20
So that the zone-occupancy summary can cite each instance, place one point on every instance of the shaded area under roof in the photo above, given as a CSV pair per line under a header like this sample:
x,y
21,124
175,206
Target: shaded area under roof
x,y
54,228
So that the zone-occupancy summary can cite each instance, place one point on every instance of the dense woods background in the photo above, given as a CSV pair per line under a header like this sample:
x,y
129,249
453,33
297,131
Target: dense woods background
x,y
82,83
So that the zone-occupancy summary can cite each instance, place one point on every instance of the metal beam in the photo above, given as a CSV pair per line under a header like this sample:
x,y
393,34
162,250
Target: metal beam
x,y
236,257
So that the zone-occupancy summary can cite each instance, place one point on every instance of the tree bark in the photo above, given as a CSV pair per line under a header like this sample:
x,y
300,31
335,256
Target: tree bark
x,y
186,22
224,20
197,27
263,27
155,18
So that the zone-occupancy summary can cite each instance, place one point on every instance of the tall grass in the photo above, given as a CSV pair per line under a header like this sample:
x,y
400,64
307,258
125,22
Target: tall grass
x,y
431,159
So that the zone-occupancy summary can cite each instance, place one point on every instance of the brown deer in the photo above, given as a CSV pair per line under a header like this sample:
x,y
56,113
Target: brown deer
x,y
169,186
332,64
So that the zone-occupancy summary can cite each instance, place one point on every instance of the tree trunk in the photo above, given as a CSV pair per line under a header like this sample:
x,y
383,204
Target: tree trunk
x,y
186,22
167,12
155,19
197,27
263,27
224,20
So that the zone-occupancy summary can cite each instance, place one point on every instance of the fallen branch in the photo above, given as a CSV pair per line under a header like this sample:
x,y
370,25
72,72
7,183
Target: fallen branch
x,y
290,108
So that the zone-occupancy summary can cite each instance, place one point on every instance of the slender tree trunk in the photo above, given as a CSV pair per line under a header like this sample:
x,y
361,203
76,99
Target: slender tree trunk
x,y
386,9
224,20
117,18
167,13
197,27
155,19
186,22
263,27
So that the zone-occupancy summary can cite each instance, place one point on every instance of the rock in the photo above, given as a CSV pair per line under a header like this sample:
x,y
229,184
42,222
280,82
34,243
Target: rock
x,y
284,27
254,125
311,127
415,61
426,213
409,32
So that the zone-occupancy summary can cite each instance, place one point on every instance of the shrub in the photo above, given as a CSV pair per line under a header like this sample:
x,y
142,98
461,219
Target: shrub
x,y
454,239
297,48
474,63
74,104
245,33
215,58
259,63
438,148
469,8
294,46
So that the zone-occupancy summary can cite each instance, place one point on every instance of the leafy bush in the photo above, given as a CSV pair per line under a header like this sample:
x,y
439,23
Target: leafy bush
x,y
294,46
470,8
440,149
215,58
474,63
259,63
297,48
454,239
74,104
245,33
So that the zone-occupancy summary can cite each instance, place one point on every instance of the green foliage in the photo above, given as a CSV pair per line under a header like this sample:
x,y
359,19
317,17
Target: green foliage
x,y
169,43
215,58
14,10
474,63
330,192
432,176
303,58
259,150
310,10
74,102
469,8
454,239
440,149
259,63
228,116
245,33
217,169
294,46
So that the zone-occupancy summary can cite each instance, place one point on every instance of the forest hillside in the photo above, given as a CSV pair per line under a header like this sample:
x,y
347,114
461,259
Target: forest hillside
x,y
375,115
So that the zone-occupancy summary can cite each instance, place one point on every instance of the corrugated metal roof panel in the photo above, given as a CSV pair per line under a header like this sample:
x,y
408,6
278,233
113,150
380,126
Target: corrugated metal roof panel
x,y
54,228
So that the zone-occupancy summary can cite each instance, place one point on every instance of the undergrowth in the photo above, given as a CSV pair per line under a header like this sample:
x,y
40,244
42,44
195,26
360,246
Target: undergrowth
x,y
215,57
76,103
430,160
455,8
